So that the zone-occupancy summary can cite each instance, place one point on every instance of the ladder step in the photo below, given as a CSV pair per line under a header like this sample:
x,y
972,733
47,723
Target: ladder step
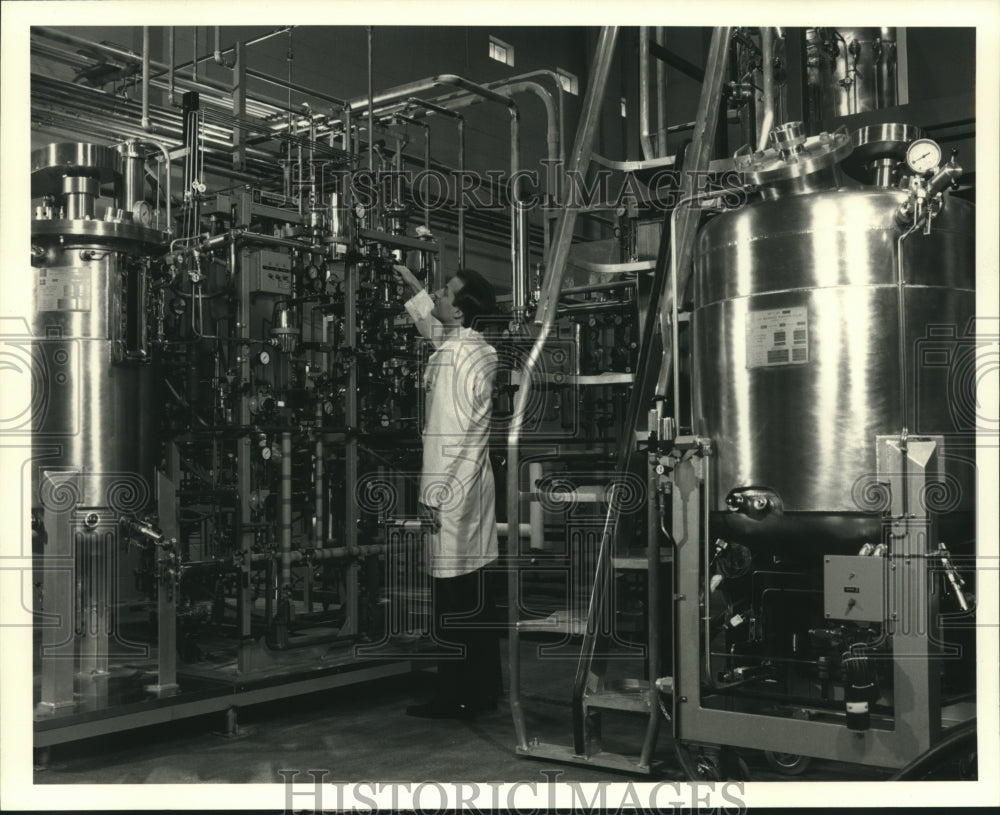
x,y
633,698
581,495
630,267
607,378
559,622
639,563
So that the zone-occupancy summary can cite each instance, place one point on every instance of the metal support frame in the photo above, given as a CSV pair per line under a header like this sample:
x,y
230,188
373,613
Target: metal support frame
x,y
912,619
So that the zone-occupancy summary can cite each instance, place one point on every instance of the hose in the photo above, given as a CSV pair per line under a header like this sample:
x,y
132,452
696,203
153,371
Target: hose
x,y
959,738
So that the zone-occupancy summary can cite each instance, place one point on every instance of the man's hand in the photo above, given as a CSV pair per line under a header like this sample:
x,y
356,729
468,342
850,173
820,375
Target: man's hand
x,y
407,277
432,515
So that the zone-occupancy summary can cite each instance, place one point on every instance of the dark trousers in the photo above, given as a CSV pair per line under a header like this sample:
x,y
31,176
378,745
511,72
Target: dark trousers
x,y
466,628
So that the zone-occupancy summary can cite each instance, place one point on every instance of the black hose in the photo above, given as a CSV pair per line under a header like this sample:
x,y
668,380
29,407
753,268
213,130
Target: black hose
x,y
959,738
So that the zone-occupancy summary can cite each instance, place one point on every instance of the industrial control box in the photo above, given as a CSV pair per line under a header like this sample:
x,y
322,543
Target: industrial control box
x,y
270,272
854,588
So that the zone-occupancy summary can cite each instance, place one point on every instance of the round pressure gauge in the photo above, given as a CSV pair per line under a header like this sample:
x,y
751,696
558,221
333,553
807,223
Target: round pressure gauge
x,y
923,155
142,213
264,357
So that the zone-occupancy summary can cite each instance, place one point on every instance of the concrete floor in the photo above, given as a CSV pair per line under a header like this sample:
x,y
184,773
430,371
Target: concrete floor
x,y
360,733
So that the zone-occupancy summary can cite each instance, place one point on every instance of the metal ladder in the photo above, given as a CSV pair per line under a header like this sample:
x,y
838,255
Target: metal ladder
x,y
592,692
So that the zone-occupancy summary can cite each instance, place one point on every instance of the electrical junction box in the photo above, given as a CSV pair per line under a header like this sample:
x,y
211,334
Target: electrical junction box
x,y
270,272
854,588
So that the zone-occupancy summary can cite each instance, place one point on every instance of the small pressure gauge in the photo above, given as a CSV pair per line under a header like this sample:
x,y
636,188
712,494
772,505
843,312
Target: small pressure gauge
x,y
923,155
142,213
264,357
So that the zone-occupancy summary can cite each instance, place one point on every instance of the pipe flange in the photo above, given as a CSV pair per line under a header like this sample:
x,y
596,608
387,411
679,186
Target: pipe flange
x,y
794,157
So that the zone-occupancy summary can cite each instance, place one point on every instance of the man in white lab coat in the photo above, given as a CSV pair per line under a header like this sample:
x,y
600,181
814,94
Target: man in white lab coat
x,y
457,491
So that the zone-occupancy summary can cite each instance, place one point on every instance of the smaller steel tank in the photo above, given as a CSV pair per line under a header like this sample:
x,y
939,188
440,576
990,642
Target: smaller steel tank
x,y
91,288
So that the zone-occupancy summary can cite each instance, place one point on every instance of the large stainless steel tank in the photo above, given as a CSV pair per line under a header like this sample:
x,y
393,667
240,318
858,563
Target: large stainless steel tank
x,y
90,289
797,352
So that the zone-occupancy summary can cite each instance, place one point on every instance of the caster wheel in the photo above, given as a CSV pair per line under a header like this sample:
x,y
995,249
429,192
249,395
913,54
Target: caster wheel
x,y
788,763
711,763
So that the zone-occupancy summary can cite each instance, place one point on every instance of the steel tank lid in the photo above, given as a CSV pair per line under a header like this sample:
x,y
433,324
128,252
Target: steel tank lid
x,y
50,163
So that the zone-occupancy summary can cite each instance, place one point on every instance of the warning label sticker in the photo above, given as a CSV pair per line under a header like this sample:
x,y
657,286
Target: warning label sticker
x,y
778,337
63,288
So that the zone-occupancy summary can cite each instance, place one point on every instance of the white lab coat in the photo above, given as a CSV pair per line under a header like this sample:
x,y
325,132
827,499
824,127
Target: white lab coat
x,y
456,476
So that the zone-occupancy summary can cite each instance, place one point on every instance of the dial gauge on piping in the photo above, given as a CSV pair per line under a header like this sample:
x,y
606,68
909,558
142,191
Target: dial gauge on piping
x,y
923,155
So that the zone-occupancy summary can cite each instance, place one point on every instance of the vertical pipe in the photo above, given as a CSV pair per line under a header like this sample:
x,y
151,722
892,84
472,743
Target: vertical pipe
x,y
171,58
371,101
536,513
458,193
319,478
194,57
427,170
652,608
767,70
648,152
286,516
518,260
145,78
661,98
684,219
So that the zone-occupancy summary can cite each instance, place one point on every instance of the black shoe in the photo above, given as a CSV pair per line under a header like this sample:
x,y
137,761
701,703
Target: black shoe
x,y
435,710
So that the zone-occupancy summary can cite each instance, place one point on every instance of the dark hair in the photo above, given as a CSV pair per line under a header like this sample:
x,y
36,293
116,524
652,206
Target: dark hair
x,y
476,298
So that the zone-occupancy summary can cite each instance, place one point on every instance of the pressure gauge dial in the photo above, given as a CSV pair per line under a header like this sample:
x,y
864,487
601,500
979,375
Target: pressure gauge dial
x,y
923,155
142,213
264,357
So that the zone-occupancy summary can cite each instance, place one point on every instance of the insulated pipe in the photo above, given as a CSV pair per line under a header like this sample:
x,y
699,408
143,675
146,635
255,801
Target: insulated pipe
x,y
145,78
579,160
648,150
285,509
767,69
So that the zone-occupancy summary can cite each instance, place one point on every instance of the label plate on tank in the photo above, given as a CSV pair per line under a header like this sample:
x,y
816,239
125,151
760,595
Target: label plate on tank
x,y
778,336
63,288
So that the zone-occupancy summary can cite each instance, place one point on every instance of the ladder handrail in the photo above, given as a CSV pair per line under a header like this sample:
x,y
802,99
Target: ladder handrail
x,y
580,157
704,137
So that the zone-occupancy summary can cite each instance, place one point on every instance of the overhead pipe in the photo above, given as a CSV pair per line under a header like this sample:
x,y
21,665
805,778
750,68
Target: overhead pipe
x,y
434,108
202,85
292,86
518,218
215,55
427,157
579,159
767,70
